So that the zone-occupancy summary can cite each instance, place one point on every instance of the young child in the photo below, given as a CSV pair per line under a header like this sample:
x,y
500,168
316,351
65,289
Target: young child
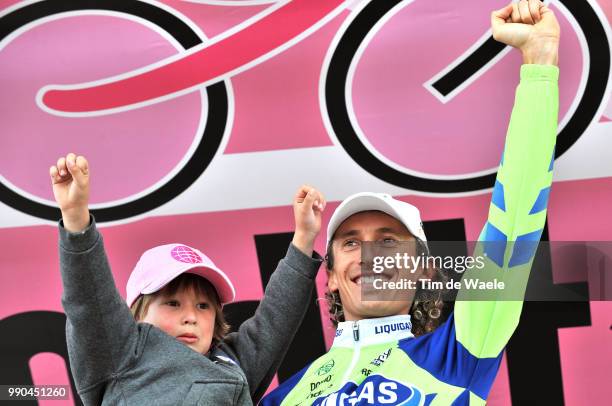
x,y
173,347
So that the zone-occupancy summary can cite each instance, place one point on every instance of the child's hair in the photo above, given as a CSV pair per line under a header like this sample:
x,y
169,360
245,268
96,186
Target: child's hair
x,y
186,281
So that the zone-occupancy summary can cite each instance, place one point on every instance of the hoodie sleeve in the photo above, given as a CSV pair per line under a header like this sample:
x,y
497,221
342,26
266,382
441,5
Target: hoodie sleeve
x,y
101,333
262,341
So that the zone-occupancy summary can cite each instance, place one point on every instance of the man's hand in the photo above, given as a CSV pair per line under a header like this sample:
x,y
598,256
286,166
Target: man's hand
x,y
532,28
70,179
308,204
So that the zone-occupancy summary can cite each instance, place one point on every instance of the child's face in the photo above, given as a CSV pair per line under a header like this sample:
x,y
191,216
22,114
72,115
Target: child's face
x,y
187,315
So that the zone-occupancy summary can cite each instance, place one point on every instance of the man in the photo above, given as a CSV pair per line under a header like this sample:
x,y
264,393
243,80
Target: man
x,y
397,352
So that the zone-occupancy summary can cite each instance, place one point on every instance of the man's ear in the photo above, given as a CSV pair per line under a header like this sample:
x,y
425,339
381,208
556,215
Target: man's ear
x,y
332,281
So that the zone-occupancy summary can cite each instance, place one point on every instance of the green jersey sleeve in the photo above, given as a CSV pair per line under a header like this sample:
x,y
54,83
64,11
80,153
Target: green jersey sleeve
x,y
517,214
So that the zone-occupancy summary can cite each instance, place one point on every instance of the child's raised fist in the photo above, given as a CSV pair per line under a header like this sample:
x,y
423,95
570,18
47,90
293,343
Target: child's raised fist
x,y
70,180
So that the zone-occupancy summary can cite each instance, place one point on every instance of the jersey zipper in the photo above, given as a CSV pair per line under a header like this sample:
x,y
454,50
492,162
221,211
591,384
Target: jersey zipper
x,y
356,353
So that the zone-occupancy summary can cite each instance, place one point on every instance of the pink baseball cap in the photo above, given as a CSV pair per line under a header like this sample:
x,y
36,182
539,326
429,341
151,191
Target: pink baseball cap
x,y
160,265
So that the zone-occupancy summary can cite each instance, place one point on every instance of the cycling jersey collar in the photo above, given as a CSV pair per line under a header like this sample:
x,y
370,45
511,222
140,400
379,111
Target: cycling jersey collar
x,y
373,331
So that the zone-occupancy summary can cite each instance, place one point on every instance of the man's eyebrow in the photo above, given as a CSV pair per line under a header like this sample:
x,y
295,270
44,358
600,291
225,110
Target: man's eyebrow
x,y
398,232
388,230
348,233
382,230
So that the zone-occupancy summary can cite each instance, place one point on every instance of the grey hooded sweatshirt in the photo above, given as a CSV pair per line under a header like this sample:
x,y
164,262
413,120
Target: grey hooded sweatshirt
x,y
117,361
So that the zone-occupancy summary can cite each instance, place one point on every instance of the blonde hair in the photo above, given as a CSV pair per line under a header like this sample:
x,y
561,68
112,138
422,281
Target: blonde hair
x,y
186,281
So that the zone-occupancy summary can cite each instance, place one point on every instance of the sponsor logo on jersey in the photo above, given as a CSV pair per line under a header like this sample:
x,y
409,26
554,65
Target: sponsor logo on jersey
x,y
388,328
325,368
374,390
315,385
378,361
338,332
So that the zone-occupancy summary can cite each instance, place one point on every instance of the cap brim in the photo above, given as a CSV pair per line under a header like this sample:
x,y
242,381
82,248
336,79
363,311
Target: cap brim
x,y
370,202
221,283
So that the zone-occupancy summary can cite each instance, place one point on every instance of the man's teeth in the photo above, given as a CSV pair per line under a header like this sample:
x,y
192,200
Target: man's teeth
x,y
368,279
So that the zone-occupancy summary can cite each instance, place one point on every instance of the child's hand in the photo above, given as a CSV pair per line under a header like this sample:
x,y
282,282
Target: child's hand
x,y
70,179
308,204
531,27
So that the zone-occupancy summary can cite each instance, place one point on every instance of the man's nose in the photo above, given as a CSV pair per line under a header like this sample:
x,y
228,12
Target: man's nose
x,y
367,254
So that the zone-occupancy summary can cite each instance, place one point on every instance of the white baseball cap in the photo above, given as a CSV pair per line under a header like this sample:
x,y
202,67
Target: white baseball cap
x,y
406,213
160,265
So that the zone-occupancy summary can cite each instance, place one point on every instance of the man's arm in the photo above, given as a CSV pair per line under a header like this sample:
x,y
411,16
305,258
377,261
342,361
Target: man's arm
x,y
518,208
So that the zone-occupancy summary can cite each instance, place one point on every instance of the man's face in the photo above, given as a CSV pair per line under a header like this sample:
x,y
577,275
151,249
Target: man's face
x,y
187,315
345,277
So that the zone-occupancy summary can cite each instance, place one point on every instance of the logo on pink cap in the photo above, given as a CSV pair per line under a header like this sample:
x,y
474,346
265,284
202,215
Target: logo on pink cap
x,y
185,254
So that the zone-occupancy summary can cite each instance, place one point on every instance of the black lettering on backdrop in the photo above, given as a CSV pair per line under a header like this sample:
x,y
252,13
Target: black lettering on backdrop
x,y
534,360
26,334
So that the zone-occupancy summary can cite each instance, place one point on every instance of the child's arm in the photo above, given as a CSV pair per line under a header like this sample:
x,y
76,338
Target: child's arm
x,y
262,341
100,331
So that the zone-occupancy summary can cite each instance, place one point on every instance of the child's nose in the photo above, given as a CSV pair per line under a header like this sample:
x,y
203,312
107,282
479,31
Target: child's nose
x,y
189,316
